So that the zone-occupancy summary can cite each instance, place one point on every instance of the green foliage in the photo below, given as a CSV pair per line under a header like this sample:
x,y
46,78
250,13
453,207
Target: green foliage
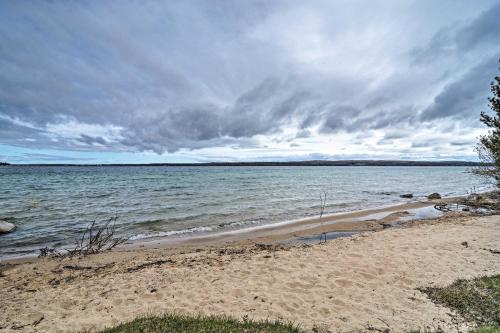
x,y
169,323
489,145
476,300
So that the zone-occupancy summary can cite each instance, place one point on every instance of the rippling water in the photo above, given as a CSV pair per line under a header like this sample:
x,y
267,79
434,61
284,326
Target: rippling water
x,y
50,205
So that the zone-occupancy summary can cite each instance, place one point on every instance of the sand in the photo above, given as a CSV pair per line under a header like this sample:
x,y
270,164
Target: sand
x,y
368,281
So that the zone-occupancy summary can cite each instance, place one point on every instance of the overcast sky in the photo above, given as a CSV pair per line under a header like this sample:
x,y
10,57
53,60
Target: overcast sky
x,y
186,81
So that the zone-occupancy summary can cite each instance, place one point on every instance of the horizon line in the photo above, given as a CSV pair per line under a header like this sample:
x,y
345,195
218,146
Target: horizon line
x,y
352,162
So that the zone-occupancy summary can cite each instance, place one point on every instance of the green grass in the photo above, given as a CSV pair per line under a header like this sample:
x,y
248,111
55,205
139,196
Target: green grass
x,y
200,324
476,300
488,330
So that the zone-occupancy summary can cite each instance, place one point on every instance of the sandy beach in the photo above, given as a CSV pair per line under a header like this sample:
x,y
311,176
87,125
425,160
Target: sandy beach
x,y
254,166
367,281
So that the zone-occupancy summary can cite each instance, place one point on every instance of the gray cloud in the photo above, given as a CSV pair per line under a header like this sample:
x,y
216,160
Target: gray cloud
x,y
168,76
462,143
340,117
459,40
395,134
463,97
90,140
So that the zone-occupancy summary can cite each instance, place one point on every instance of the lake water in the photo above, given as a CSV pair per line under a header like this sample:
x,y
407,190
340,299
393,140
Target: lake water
x,y
51,205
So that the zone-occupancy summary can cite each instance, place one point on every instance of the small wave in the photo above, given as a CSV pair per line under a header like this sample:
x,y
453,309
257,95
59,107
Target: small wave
x,y
241,223
172,233
228,225
188,218
176,187
387,193
379,192
97,196
149,223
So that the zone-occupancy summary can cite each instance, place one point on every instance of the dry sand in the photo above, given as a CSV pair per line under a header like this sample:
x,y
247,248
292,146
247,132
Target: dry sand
x,y
349,284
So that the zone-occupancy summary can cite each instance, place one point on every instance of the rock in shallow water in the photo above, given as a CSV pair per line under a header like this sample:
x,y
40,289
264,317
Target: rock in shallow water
x,y
6,227
407,195
434,196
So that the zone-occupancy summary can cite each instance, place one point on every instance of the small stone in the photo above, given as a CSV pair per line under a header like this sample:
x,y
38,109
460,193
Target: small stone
x,y
434,196
6,227
407,195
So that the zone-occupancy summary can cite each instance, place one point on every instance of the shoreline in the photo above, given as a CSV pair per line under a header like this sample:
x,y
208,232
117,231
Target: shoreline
x,y
362,220
342,285
356,220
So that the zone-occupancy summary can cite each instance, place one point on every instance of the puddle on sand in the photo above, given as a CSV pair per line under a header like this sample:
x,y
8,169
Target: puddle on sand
x,y
393,218
423,213
314,239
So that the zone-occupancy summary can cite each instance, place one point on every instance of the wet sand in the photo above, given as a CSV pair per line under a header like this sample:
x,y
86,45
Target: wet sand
x,y
356,221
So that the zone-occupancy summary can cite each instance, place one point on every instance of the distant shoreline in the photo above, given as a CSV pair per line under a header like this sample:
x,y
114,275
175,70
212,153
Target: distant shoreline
x,y
290,163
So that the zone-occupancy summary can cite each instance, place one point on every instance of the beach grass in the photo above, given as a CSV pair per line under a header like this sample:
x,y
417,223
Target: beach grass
x,y
476,300
173,323
170,323
489,329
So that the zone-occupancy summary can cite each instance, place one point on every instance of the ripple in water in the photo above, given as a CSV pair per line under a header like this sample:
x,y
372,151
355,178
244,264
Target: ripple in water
x,y
51,205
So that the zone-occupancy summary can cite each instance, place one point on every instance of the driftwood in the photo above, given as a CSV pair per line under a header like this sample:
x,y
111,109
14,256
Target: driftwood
x,y
322,198
95,238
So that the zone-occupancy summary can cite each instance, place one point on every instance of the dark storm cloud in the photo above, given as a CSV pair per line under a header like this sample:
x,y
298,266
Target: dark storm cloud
x,y
459,40
476,49
462,97
89,140
340,117
161,76
12,132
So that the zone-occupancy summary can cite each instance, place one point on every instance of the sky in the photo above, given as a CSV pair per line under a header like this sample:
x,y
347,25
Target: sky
x,y
228,80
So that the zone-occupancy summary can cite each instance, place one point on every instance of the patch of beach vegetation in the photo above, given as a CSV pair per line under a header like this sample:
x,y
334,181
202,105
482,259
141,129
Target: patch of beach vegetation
x,y
201,324
476,300
488,330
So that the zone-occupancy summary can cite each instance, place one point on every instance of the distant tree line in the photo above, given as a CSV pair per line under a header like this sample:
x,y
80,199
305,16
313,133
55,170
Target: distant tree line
x,y
290,163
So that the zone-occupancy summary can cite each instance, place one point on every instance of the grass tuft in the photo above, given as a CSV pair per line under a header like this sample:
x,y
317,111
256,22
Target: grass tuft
x,y
488,330
476,300
200,324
